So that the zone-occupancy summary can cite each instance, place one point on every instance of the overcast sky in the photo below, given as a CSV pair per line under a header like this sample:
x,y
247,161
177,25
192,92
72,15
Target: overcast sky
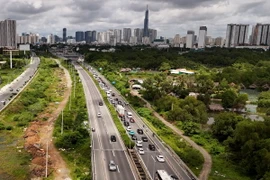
x,y
169,17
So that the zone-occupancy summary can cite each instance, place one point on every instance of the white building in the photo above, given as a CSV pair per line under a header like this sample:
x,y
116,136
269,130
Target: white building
x,y
237,34
30,38
260,34
202,37
139,34
190,39
219,41
118,35
126,34
50,39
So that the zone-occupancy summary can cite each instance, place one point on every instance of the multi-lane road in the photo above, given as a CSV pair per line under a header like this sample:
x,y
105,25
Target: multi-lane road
x,y
172,164
103,149
12,89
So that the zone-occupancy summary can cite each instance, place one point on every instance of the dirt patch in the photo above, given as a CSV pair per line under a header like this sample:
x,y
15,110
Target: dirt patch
x,y
38,136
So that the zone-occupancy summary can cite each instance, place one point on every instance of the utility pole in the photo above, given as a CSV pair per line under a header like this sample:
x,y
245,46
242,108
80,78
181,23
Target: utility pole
x,y
47,149
10,59
62,124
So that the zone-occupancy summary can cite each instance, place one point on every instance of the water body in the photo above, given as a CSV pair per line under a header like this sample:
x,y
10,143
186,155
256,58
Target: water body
x,y
251,109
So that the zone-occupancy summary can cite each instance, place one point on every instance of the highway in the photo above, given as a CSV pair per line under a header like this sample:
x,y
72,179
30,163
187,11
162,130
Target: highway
x,y
172,164
102,148
12,89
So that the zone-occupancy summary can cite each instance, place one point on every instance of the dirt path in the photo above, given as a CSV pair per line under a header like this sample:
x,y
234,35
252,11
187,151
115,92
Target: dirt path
x,y
207,158
39,133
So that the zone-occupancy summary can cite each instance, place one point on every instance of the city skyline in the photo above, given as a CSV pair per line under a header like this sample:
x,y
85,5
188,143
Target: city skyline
x,y
37,15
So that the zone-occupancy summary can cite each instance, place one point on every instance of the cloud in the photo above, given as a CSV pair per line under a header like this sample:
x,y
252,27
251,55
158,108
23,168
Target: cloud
x,y
169,17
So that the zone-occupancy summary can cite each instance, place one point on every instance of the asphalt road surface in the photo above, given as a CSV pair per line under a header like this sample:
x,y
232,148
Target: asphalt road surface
x,y
102,148
172,164
10,90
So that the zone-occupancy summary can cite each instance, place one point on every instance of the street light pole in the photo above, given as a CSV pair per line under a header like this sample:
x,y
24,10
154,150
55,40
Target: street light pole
x,y
62,124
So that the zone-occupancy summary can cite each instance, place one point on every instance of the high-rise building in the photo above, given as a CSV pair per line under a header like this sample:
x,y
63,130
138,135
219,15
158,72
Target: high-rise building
x,y
64,34
237,34
118,35
176,40
88,36
219,41
152,34
126,34
139,34
50,39
94,36
26,38
190,39
260,34
202,37
79,36
146,23
8,34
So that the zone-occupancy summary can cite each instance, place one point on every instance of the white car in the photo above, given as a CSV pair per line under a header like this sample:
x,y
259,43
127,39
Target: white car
x,y
141,151
99,115
139,144
160,158
139,141
129,114
128,128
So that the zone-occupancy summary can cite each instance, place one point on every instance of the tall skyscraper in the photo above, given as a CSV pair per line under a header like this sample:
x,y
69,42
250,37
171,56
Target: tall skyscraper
x,y
260,34
202,37
8,34
88,36
50,39
94,36
152,34
190,39
118,35
237,34
79,36
146,23
64,34
139,34
126,34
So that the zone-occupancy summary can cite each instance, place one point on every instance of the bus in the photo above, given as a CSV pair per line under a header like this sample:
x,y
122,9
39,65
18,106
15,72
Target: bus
x,y
162,175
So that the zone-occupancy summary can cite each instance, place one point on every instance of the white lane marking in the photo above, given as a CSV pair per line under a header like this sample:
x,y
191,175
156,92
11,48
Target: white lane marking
x,y
113,153
153,158
118,168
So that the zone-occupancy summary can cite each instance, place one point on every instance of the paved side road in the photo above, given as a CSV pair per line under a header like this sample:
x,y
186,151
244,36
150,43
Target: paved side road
x,y
207,158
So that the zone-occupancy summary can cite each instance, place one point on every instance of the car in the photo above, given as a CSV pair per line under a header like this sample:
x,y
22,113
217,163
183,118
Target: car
x,y
116,99
93,129
112,101
100,103
129,114
144,139
131,133
139,144
139,141
139,131
152,147
128,128
123,118
98,114
131,120
112,166
113,138
141,151
113,94
174,177
134,137
126,123
160,158
11,89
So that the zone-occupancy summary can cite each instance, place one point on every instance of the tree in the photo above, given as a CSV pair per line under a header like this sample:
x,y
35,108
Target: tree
x,y
225,124
240,101
165,66
228,98
191,128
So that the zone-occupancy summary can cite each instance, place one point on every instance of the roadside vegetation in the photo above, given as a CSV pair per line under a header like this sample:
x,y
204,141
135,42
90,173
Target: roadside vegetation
x,y
15,118
74,143
239,147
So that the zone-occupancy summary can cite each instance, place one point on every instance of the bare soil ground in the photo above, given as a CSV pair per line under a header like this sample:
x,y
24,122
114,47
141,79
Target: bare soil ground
x,y
39,133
